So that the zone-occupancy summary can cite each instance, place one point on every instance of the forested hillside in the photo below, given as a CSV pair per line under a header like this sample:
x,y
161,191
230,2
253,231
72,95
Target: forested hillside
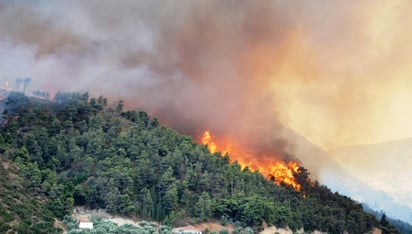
x,y
403,227
77,150
19,209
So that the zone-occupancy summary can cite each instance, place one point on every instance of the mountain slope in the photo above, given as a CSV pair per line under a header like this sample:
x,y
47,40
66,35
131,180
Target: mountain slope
x,y
385,166
403,227
21,211
340,179
79,151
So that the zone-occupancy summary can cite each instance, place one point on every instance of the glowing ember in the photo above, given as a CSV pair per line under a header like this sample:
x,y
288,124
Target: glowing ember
x,y
277,171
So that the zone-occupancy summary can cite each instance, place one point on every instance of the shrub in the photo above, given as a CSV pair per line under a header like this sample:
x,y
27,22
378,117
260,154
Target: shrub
x,y
224,231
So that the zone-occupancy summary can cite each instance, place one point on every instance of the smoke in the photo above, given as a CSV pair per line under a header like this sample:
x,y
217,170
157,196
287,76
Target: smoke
x,y
241,69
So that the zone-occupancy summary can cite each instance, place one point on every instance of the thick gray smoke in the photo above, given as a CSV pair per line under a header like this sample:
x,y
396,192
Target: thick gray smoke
x,y
238,68
192,63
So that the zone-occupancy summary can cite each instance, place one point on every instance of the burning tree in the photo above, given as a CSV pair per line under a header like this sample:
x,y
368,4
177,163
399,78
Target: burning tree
x,y
272,168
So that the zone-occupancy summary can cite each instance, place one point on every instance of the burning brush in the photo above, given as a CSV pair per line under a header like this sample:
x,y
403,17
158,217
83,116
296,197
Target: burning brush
x,y
278,171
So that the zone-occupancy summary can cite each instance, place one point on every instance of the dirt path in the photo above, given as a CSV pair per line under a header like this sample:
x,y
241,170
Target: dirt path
x,y
83,213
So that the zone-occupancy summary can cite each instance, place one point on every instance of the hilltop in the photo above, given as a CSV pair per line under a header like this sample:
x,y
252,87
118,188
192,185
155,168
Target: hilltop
x,y
78,150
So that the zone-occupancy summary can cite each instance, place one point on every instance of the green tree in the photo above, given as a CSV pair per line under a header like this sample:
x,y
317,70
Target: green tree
x,y
205,207
386,226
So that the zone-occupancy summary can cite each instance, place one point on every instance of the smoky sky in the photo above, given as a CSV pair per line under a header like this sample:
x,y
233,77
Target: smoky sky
x,y
239,68
186,62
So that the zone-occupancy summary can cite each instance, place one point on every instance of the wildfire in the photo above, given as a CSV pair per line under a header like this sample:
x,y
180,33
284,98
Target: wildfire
x,y
278,171
207,140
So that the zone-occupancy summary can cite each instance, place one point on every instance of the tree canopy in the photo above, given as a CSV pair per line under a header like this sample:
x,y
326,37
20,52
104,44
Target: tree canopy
x,y
77,150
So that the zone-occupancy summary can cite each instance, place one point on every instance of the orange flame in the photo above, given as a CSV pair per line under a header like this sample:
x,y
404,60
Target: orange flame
x,y
276,170
207,140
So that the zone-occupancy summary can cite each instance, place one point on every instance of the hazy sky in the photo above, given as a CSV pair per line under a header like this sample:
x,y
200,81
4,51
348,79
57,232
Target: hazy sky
x,y
338,72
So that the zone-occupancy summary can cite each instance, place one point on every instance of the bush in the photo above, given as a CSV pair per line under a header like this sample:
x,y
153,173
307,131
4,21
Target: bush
x,y
248,230
224,231
224,220
4,227
7,217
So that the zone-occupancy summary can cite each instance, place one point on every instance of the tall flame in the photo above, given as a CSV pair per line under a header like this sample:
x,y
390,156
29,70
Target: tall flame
x,y
276,170
208,140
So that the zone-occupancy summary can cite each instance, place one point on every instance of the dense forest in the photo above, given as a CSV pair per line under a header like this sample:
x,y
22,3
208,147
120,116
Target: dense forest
x,y
20,210
77,150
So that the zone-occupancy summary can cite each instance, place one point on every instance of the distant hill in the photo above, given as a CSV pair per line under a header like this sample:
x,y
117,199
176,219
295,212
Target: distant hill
x,y
385,166
77,150
332,174
404,228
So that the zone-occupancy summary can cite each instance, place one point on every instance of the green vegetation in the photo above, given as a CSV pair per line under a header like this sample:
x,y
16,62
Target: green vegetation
x,y
79,151
107,227
387,222
20,211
